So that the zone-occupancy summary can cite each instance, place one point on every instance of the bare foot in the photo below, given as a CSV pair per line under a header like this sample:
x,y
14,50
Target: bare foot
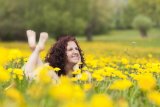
x,y
31,35
42,40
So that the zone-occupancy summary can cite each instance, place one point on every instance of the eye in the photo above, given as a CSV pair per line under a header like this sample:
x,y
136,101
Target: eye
x,y
76,48
70,49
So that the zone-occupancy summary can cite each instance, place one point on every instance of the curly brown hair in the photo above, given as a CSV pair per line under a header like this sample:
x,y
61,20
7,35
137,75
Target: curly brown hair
x,y
57,57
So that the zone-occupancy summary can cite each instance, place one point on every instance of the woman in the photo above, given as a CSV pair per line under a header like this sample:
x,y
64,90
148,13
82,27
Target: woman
x,y
64,54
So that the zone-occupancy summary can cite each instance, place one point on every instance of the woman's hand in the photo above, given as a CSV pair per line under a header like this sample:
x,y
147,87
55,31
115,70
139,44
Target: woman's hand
x,y
76,66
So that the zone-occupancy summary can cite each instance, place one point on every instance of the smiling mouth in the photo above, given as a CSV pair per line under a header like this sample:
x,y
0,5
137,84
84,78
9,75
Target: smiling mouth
x,y
75,57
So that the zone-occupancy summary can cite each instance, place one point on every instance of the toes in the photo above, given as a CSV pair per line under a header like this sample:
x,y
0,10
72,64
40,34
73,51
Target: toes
x,y
44,35
30,32
43,38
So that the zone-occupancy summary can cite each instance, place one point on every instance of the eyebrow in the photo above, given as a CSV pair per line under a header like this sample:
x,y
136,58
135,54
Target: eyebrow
x,y
72,47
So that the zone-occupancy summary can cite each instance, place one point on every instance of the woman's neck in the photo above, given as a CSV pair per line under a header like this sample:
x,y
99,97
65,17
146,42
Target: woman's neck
x,y
69,69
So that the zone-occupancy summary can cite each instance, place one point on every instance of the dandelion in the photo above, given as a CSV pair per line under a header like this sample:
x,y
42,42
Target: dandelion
x,y
84,76
62,92
43,76
74,79
136,66
101,100
146,82
120,85
18,73
87,86
124,61
4,75
56,69
14,53
85,68
76,72
154,97
119,74
78,93
15,95
97,76
43,73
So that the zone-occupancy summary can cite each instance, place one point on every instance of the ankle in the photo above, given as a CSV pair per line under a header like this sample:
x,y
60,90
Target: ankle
x,y
38,48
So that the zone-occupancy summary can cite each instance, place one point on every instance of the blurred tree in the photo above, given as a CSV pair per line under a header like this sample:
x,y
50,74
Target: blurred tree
x,y
12,19
150,8
143,24
123,16
66,17
100,17
34,15
57,17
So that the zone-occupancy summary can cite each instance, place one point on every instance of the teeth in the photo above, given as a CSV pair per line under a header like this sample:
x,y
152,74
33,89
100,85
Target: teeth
x,y
75,56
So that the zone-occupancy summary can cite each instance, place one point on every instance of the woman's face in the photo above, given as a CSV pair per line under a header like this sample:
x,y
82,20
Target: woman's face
x,y
72,52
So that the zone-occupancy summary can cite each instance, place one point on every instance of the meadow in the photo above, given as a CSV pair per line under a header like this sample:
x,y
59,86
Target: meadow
x,y
125,70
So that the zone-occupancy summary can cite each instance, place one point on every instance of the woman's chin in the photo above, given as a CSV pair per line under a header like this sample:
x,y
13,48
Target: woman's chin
x,y
75,62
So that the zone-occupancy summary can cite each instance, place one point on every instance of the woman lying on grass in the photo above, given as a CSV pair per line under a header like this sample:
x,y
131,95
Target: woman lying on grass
x,y
64,54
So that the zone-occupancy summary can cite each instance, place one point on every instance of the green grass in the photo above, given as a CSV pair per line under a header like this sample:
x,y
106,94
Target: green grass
x,y
122,35
118,37
129,37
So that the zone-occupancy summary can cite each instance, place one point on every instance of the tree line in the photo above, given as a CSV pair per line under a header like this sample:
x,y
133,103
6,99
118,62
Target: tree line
x,y
76,17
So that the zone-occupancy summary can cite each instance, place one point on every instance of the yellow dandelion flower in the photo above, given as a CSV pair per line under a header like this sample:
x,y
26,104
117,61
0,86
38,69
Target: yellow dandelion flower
x,y
87,86
84,76
154,97
78,93
97,76
4,75
15,95
146,82
78,71
56,69
25,59
136,66
74,79
62,92
9,70
85,68
14,53
101,100
124,61
18,73
43,74
120,85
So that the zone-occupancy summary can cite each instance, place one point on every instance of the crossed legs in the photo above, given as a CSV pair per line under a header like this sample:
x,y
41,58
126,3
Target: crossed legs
x,y
34,59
